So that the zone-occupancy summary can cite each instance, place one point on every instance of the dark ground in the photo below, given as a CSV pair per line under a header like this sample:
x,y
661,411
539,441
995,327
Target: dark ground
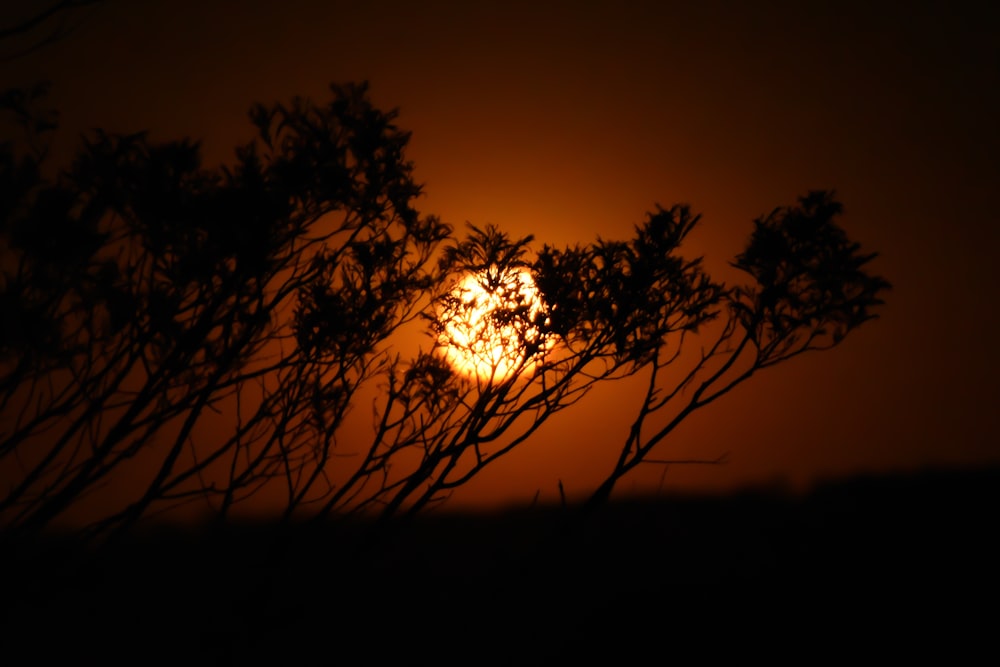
x,y
904,564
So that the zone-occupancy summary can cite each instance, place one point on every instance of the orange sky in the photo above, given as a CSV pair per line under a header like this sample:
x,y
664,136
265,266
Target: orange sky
x,y
569,120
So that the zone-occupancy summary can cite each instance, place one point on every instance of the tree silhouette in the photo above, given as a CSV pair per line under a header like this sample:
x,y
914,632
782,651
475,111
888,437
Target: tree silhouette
x,y
142,292
145,296
809,291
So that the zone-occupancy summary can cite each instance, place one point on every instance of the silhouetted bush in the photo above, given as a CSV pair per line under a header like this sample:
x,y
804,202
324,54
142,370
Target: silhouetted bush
x,y
147,300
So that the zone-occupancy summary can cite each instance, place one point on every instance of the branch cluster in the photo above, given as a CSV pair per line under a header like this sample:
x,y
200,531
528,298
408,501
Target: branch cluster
x,y
207,332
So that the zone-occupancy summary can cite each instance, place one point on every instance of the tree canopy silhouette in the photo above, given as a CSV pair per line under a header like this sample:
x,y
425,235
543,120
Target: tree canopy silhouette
x,y
145,296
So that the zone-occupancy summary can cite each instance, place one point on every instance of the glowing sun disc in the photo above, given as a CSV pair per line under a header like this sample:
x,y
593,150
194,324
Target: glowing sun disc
x,y
487,323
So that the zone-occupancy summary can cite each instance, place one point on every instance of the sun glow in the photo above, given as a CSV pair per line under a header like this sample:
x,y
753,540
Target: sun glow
x,y
489,324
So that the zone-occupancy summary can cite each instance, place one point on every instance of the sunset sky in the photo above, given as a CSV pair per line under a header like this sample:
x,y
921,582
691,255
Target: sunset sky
x,y
570,120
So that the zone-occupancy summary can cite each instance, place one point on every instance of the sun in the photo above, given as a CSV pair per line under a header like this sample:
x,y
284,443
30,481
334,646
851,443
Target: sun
x,y
489,323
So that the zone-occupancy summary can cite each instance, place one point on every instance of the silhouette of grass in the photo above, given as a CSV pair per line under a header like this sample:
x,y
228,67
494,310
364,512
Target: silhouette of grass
x,y
542,582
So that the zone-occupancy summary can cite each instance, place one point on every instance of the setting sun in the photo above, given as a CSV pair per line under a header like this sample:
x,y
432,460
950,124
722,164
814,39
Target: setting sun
x,y
488,323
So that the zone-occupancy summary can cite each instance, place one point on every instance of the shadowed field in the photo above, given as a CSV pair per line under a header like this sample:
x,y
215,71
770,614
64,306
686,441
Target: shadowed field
x,y
537,586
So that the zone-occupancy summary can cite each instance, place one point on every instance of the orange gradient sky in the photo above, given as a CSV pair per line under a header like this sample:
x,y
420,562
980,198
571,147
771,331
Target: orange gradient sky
x,y
570,120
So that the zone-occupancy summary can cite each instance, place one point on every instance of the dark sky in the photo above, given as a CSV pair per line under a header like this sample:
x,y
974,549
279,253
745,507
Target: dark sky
x,y
570,120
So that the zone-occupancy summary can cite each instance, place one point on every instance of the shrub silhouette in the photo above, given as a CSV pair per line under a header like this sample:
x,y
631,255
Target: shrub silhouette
x,y
145,296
